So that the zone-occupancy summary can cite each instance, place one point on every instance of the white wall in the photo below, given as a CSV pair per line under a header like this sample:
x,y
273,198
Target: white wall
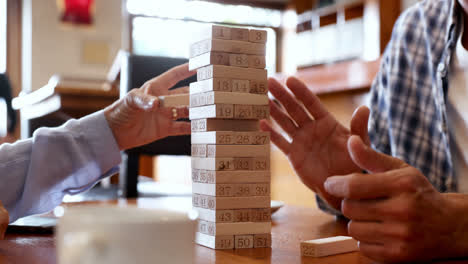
x,y
56,49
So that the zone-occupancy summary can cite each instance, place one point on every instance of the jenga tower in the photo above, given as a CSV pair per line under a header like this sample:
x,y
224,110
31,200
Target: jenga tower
x,y
230,156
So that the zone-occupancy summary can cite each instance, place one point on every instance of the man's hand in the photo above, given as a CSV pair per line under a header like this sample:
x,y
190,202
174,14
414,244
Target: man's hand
x,y
396,213
138,119
318,147
4,220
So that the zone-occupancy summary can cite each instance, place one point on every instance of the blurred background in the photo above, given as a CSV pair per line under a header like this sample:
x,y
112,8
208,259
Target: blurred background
x,y
62,59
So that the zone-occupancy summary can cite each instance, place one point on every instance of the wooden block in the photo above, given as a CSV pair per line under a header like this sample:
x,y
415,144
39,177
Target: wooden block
x,y
261,215
212,111
241,86
213,177
229,46
214,242
258,36
214,84
236,150
231,138
328,246
221,203
209,98
205,125
230,72
236,163
262,241
215,58
216,32
238,60
199,150
218,216
259,87
241,34
174,100
244,241
232,189
251,111
241,228
257,62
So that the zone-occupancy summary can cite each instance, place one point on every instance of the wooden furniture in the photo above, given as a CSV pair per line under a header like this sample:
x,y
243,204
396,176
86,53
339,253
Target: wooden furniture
x,y
291,225
60,100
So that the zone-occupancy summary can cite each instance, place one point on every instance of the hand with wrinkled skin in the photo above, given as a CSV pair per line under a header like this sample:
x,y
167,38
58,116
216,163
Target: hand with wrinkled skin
x,y
318,147
395,212
138,118
4,220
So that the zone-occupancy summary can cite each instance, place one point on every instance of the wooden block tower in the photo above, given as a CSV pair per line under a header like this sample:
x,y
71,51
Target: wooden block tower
x,y
230,156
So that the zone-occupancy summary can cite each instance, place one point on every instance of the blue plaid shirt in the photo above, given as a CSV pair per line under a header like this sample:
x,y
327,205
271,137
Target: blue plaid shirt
x,y
408,97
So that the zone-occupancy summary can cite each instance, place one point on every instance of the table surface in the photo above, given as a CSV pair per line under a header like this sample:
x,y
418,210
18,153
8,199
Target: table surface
x,y
291,225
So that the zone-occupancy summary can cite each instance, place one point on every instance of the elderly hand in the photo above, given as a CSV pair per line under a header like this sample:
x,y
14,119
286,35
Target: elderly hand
x,y
138,118
4,220
318,146
396,213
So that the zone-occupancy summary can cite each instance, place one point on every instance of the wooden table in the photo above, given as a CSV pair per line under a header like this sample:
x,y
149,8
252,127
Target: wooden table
x,y
291,225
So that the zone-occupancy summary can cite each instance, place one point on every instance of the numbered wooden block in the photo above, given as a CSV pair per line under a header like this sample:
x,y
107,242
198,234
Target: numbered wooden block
x,y
215,58
241,34
232,189
174,100
257,62
328,246
222,229
251,111
231,138
199,150
229,46
205,125
209,98
258,36
213,163
230,72
262,241
215,84
238,60
218,216
214,242
212,111
241,86
216,32
235,150
244,241
242,215
222,203
258,87
261,215
216,177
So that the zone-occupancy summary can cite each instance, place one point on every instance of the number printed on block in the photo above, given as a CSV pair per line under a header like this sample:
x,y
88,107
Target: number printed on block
x,y
241,86
241,34
261,215
239,60
199,150
258,36
224,216
258,87
243,241
262,240
257,62
243,215
224,242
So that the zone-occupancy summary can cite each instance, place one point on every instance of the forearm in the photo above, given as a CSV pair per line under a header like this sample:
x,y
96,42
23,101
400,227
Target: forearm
x,y
458,204
37,173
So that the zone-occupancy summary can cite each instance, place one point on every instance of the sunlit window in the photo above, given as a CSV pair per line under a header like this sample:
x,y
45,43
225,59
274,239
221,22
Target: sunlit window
x,y
3,35
168,28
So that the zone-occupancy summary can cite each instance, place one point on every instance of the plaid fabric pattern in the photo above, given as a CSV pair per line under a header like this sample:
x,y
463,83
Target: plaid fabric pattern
x,y
408,112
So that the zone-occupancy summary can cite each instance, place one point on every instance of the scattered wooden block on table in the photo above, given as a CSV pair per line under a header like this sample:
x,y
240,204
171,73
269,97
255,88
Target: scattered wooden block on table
x,y
258,36
328,246
231,138
244,241
232,189
230,72
177,100
221,203
215,242
215,177
229,46
214,97
212,111
222,229
206,125
262,240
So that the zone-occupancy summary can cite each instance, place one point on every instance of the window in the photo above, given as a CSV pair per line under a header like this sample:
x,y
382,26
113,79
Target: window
x,y
3,35
168,28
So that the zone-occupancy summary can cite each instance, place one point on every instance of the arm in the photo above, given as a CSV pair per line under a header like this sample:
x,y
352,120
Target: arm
x,y
36,173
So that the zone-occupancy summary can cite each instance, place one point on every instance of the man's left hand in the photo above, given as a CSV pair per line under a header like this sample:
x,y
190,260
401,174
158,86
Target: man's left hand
x,y
395,212
4,220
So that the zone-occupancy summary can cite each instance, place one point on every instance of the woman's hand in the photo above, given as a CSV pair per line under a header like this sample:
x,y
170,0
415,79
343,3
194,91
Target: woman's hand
x,y
138,118
4,220
317,148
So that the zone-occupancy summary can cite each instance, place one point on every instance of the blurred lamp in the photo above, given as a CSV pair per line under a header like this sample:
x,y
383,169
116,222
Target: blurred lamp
x,y
77,12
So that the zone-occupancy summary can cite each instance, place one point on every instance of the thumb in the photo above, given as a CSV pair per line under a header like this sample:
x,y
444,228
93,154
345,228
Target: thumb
x,y
370,160
359,123
141,101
